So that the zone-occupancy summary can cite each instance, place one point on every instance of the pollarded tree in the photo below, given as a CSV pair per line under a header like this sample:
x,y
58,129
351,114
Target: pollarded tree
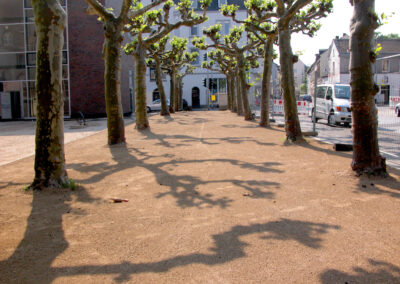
x,y
176,59
185,70
366,156
113,34
157,54
260,24
149,29
220,62
50,20
232,46
291,15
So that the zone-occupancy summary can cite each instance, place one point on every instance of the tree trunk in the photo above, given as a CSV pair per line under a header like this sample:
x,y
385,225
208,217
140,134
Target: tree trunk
x,y
160,87
244,87
50,20
292,123
180,92
176,91
141,110
229,91
233,93
112,76
239,100
171,92
266,82
366,156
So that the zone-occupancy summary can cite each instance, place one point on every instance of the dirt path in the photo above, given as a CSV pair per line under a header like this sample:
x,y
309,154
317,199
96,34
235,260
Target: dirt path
x,y
212,199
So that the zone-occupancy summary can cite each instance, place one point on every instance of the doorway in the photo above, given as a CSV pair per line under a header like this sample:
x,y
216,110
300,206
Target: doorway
x,y
15,105
195,97
385,91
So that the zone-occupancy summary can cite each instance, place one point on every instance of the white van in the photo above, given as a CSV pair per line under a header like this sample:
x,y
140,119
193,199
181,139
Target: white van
x,y
333,104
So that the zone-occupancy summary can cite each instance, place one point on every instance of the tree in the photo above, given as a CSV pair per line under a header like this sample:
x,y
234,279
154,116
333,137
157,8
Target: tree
x,y
295,16
231,46
366,156
259,23
378,35
184,71
226,65
50,20
157,55
113,34
148,29
176,59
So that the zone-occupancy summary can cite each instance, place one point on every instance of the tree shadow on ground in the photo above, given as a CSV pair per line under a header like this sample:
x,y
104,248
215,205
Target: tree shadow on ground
x,y
186,140
379,272
184,119
181,187
366,184
32,261
44,237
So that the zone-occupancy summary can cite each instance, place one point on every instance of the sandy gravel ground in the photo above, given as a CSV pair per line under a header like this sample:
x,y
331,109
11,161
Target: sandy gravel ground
x,y
212,199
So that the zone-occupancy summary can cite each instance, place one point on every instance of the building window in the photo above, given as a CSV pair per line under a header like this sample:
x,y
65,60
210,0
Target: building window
x,y
333,68
225,25
194,31
222,2
385,65
152,74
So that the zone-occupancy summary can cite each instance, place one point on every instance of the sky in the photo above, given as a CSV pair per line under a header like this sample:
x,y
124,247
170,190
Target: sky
x,y
338,23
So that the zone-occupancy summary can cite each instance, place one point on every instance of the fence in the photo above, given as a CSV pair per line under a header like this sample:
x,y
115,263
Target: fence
x,y
388,125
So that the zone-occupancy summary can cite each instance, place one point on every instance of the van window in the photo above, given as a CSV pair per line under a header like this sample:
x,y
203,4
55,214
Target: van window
x,y
342,92
321,92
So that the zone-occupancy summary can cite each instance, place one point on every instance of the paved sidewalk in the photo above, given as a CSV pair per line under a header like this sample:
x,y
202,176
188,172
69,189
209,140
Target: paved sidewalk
x,y
17,138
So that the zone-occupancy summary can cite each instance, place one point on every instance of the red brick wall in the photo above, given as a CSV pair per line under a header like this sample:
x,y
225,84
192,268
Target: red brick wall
x,y
85,36
86,65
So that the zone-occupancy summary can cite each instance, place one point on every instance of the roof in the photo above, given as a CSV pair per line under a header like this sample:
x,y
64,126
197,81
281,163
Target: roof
x,y
389,46
389,57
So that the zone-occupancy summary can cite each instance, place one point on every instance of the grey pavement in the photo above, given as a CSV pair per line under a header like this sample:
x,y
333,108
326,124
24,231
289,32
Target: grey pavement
x,y
17,138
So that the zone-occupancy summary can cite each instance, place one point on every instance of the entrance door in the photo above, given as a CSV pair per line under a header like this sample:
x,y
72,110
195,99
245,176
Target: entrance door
x,y
195,97
385,91
15,105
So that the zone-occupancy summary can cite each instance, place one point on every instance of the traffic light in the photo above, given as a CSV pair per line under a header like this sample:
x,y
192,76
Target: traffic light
x,y
205,57
205,82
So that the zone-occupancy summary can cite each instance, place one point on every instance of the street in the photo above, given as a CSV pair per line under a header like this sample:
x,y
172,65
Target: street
x,y
388,133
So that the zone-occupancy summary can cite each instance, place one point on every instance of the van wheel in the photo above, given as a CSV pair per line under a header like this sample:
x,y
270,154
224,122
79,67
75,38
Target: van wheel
x,y
398,112
148,109
346,124
331,120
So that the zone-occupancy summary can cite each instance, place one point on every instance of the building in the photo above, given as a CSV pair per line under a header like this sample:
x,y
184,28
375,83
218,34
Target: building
x,y
387,77
83,67
333,65
299,71
194,92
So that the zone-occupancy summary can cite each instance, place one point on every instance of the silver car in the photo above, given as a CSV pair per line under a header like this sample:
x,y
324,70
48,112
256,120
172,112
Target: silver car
x,y
155,105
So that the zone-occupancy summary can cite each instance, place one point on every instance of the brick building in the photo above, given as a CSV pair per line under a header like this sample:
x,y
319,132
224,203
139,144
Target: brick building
x,y
83,67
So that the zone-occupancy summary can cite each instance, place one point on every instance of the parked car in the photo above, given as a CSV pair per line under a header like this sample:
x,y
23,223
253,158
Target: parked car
x,y
155,105
333,104
397,109
306,98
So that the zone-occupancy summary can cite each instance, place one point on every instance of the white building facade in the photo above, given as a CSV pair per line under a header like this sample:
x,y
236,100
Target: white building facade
x,y
194,92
